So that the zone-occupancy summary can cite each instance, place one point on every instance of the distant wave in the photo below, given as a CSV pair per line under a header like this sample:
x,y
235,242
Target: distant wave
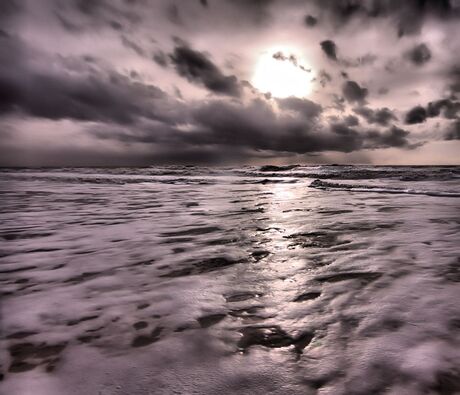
x,y
319,184
339,172
268,168
244,174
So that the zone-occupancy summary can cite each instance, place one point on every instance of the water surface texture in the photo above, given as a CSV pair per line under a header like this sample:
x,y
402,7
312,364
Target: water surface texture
x,y
183,280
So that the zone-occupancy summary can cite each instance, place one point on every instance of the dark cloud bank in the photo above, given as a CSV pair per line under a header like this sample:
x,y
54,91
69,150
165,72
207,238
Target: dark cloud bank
x,y
197,67
232,121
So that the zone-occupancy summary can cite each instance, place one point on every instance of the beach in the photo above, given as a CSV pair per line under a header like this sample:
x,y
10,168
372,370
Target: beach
x,y
252,280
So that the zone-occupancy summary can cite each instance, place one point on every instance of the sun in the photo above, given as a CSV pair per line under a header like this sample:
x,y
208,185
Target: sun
x,y
282,73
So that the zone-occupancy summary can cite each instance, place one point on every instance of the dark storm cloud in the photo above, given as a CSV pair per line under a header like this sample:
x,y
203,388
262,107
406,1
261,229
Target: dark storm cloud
x,y
330,49
412,15
381,116
256,126
408,16
348,138
75,89
393,137
453,132
230,126
452,111
351,120
416,115
448,108
419,55
310,21
84,90
196,67
104,95
353,92
303,106
434,108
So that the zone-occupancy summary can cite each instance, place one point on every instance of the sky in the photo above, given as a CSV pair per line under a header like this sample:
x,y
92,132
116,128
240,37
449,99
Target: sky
x,y
220,82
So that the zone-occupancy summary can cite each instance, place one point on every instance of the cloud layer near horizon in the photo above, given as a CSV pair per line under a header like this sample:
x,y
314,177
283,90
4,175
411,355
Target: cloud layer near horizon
x,y
142,82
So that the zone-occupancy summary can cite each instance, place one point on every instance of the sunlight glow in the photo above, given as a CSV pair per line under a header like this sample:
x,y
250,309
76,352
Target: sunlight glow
x,y
282,77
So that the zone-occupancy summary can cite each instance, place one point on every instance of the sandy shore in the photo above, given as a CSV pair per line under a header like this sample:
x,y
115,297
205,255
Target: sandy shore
x,y
227,285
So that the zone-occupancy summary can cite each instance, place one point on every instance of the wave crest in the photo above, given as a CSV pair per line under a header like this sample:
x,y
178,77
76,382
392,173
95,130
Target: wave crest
x,y
319,184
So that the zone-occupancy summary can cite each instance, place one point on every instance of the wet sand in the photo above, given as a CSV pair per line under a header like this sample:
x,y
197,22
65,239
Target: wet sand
x,y
234,284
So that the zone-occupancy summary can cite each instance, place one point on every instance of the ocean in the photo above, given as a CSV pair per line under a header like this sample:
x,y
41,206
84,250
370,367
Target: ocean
x,y
337,280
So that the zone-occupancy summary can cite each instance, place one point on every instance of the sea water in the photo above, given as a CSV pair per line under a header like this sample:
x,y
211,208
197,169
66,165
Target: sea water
x,y
252,280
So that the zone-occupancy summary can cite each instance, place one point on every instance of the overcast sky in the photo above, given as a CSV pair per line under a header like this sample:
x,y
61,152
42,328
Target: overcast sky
x,y
138,82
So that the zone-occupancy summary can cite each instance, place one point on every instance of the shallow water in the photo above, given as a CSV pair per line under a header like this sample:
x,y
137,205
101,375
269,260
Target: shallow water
x,y
230,281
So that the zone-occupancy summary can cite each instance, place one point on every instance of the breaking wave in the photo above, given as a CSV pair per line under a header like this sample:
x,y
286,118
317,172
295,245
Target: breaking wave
x,y
319,184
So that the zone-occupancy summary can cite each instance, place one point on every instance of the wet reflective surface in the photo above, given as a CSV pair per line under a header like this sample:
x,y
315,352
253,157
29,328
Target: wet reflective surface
x,y
245,281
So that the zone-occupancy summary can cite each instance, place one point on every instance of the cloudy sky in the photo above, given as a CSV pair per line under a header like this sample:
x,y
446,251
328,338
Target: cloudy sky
x,y
138,82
